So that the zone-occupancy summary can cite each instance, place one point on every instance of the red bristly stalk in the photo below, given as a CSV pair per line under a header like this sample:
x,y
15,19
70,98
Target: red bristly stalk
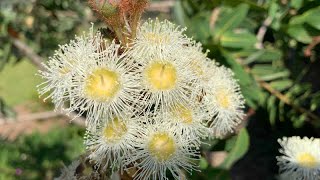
x,y
121,16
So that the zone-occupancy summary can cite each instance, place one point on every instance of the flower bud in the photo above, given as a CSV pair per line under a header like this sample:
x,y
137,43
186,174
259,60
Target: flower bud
x,y
106,8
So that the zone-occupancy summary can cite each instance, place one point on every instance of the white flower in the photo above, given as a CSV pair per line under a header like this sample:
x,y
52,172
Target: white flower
x,y
60,68
112,141
69,173
105,88
200,64
158,149
155,36
188,121
224,101
300,158
165,79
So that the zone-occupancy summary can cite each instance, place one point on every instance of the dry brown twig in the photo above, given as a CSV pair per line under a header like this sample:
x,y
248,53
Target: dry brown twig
x,y
281,96
259,45
262,31
214,17
309,48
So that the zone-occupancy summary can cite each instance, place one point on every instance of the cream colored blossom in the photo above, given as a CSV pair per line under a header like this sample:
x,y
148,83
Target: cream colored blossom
x,y
112,141
106,87
159,149
300,159
224,102
59,70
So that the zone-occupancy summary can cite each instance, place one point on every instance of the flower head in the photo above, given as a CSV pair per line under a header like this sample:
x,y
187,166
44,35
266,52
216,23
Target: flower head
x,y
106,87
159,148
60,68
112,141
224,102
300,158
155,36
188,121
165,79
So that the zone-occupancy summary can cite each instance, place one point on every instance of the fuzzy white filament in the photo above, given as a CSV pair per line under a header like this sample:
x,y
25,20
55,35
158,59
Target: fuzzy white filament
x,y
60,68
224,102
112,142
158,149
106,87
300,159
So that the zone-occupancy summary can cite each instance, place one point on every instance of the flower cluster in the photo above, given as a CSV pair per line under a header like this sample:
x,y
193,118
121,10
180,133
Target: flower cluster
x,y
149,105
300,159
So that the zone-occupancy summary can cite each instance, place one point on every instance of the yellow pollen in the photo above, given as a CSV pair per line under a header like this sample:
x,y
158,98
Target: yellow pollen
x,y
161,75
63,66
157,38
102,84
307,160
184,114
162,146
223,98
64,70
114,130
196,68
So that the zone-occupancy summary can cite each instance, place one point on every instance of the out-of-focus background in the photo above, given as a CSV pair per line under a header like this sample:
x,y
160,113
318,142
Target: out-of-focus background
x,y
271,45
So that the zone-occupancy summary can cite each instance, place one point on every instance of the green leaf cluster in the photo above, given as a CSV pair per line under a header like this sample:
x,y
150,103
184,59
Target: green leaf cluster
x,y
40,156
263,42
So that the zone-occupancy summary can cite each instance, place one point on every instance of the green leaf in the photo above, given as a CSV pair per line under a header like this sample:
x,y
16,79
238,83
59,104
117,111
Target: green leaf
x,y
241,146
179,13
296,4
252,95
249,88
200,26
262,69
272,109
281,85
203,164
240,73
230,20
273,9
298,32
310,17
263,56
238,39
270,77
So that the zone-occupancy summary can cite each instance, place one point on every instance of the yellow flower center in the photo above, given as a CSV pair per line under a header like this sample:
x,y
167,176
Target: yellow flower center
x,y
162,146
183,113
114,130
157,38
161,75
223,98
102,84
307,160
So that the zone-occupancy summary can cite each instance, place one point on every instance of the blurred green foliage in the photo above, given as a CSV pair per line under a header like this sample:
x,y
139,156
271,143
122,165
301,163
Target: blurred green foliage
x,y
270,68
25,90
264,42
40,156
